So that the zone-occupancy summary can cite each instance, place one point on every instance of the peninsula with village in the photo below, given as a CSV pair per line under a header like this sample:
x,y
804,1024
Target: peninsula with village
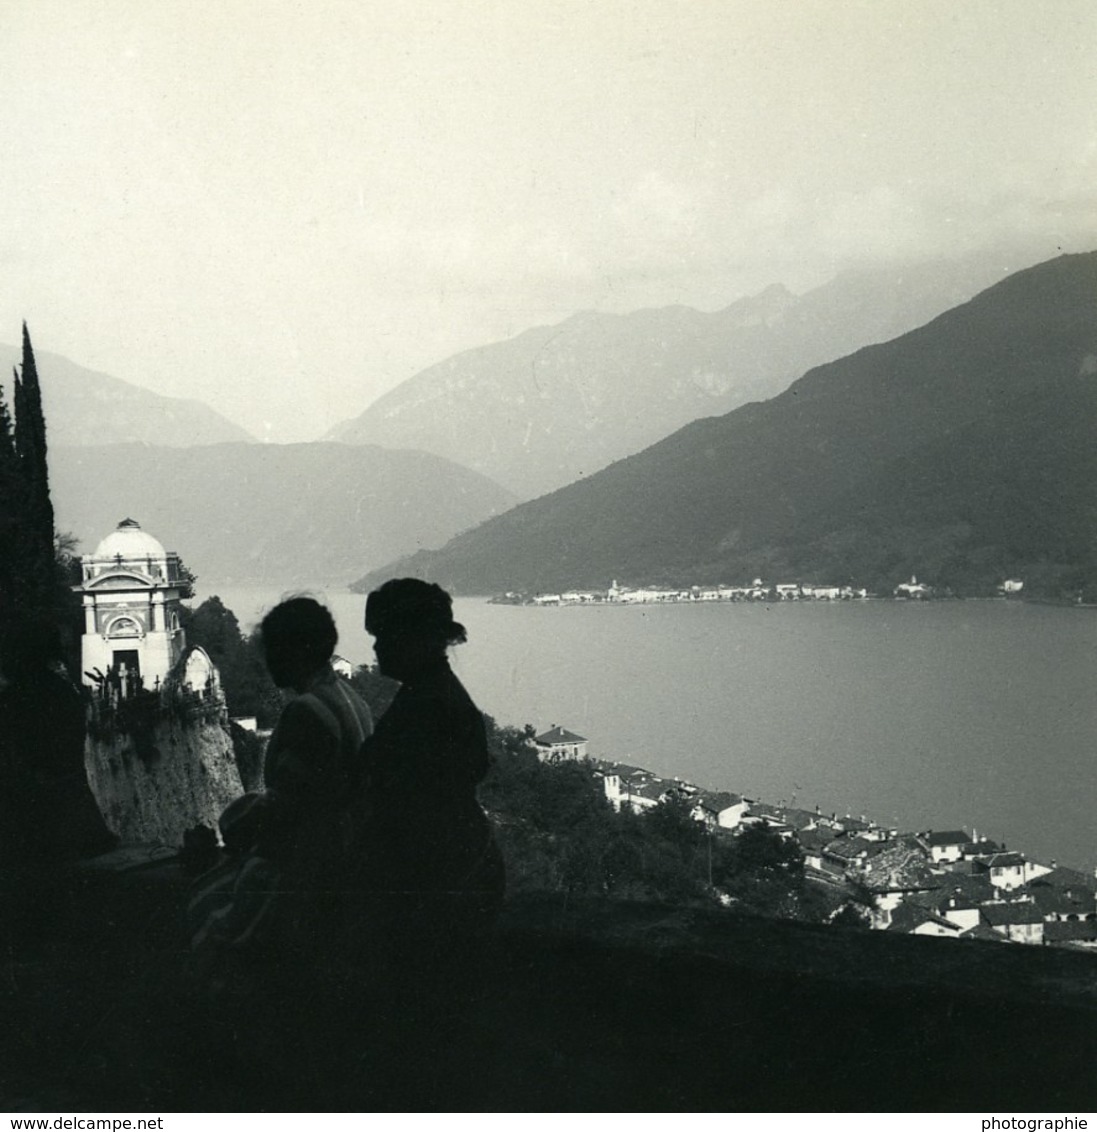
x,y
757,590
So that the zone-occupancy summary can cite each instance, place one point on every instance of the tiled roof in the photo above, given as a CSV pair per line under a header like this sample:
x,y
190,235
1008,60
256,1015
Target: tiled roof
x,y
943,901
637,778
1061,877
926,898
1004,861
772,823
973,889
789,815
765,810
851,824
850,848
815,838
1059,901
998,915
655,789
1070,931
726,798
798,819
982,848
717,802
622,769
953,903
981,931
559,735
907,917
948,837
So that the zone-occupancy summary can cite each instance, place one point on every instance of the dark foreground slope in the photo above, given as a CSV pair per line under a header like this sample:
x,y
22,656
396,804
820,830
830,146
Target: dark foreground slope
x,y
288,514
963,451
585,1007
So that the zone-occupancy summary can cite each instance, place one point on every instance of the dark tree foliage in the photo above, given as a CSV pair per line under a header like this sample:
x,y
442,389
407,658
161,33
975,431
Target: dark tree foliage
x,y
247,685
668,855
36,533
248,750
34,575
558,833
187,579
553,822
8,456
67,601
11,510
763,872
849,916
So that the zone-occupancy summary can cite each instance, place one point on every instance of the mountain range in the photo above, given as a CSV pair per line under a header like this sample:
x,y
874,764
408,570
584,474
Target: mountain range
x,y
558,403
83,407
964,451
295,514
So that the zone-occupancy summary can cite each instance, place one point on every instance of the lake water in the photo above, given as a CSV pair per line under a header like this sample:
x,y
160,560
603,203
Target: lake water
x,y
978,714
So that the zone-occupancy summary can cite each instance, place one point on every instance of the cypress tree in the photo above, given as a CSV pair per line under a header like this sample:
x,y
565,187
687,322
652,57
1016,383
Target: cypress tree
x,y
28,573
11,494
7,435
30,443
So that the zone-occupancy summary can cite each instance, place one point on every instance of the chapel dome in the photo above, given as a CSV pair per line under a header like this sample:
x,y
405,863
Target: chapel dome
x,y
129,541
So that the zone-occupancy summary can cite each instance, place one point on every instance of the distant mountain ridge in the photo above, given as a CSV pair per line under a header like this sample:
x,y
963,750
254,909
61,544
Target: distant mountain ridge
x,y
294,514
965,450
557,403
85,407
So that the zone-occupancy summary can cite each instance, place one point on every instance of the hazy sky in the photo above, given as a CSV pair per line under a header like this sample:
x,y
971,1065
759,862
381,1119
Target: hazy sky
x,y
285,208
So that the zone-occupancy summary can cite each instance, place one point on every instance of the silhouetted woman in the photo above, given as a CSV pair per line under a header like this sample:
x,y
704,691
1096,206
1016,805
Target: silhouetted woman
x,y
428,845
268,924
433,877
311,763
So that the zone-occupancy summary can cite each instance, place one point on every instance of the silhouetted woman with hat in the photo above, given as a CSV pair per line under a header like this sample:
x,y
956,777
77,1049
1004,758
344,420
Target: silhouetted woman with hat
x,y
429,845
299,829
433,877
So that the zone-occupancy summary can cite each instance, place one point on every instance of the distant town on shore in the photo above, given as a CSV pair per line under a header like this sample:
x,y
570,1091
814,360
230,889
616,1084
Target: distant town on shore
x,y
758,590
944,883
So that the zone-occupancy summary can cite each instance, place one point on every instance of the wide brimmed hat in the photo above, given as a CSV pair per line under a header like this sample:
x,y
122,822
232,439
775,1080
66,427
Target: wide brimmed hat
x,y
410,605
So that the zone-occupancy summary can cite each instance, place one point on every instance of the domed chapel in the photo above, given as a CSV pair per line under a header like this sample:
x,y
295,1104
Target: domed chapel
x,y
132,588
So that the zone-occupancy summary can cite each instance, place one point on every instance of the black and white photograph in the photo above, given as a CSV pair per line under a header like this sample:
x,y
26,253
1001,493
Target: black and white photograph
x,y
548,558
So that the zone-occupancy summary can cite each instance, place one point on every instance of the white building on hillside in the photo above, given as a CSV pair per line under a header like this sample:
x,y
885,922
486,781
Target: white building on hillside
x,y
132,588
913,588
558,743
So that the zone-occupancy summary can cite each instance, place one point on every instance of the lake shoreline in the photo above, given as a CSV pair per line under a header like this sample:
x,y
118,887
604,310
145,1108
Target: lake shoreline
x,y
975,713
